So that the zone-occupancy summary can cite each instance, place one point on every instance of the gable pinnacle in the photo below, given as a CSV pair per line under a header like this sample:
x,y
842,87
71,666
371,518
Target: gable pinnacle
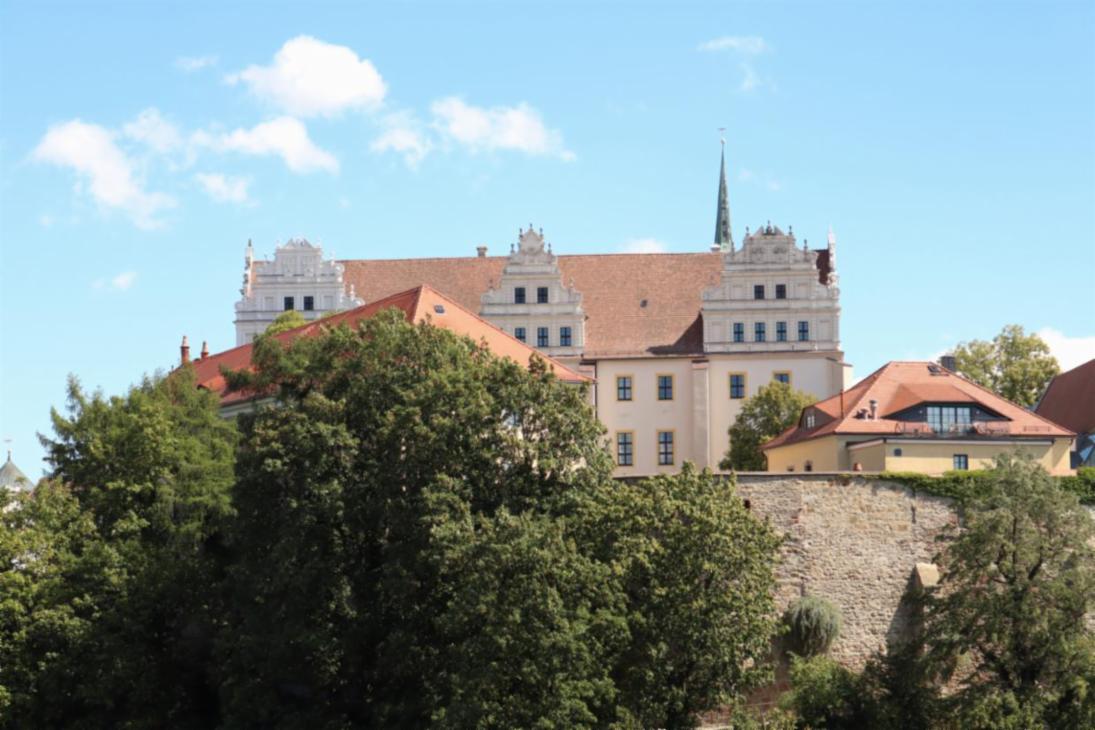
x,y
723,236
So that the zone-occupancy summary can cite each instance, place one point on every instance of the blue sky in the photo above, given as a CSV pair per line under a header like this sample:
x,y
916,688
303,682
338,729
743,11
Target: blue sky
x,y
950,145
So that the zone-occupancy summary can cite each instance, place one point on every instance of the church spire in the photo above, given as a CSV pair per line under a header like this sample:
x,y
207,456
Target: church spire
x,y
723,237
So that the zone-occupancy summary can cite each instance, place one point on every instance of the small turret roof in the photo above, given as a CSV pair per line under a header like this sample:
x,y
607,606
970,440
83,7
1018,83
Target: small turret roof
x,y
12,477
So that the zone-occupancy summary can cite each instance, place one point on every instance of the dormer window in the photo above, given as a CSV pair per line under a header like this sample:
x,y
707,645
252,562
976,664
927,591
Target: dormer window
x,y
944,419
811,420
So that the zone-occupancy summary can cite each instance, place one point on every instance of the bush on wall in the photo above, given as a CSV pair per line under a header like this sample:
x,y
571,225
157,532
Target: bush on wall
x,y
813,624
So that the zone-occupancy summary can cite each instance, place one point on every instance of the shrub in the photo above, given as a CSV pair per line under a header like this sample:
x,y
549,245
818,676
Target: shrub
x,y
825,695
813,624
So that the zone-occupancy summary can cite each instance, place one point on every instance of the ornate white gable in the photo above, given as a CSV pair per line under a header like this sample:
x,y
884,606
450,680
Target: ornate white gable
x,y
298,274
771,297
532,273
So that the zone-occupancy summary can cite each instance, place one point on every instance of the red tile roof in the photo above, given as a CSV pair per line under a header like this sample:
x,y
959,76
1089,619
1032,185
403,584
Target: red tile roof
x,y
419,304
897,386
1070,399
635,304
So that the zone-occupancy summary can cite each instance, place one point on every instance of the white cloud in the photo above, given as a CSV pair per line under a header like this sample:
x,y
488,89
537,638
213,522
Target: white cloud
x,y
121,282
90,150
403,134
750,80
224,188
1069,351
498,128
151,129
644,245
285,137
750,45
311,78
191,64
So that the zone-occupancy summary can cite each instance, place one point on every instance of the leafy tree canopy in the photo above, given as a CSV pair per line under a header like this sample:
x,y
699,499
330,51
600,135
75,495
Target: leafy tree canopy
x,y
774,409
287,320
113,562
1017,584
1014,364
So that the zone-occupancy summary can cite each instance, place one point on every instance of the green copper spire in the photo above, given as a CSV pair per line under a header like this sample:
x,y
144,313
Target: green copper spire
x,y
723,238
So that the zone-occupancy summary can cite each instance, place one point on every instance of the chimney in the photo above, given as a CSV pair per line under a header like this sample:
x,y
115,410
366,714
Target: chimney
x,y
874,408
184,351
205,350
949,363
481,251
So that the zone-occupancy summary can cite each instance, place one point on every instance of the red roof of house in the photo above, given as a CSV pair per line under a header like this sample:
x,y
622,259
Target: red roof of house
x,y
897,386
1070,399
419,304
635,304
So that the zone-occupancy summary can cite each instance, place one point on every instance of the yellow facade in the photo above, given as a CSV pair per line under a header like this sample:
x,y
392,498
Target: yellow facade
x,y
843,453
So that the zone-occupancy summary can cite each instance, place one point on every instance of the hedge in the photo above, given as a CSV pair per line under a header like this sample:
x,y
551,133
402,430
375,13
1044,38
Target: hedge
x,y
964,485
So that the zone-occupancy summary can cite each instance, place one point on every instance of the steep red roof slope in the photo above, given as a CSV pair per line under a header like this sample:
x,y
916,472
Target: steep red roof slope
x,y
897,386
1070,399
419,304
635,303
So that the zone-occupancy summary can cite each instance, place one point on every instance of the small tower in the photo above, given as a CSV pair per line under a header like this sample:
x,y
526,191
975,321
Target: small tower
x,y
723,237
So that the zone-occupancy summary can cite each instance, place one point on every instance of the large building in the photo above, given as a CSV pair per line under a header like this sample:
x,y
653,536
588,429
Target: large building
x,y
1070,401
674,342
920,417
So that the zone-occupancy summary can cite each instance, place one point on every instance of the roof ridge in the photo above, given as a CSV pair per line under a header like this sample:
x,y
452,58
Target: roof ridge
x,y
498,329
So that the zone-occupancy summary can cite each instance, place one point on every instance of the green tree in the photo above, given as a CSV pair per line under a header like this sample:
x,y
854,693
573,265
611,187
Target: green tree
x,y
345,603
775,408
697,575
287,320
1014,365
117,556
1008,618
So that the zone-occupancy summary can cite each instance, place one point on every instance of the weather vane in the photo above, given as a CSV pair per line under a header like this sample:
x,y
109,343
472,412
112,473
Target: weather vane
x,y
722,137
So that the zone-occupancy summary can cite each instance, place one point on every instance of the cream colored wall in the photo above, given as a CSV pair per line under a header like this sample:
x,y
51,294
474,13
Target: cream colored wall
x,y
823,453
813,373
926,457
645,415
936,458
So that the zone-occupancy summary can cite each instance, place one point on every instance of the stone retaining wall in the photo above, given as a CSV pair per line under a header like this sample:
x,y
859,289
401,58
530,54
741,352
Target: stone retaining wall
x,y
852,541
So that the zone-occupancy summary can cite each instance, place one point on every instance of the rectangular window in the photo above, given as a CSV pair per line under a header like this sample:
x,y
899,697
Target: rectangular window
x,y
781,291
737,385
541,295
665,387
811,420
758,291
623,387
665,448
288,302
541,336
564,336
944,419
309,304
782,377
803,331
519,295
739,332
758,331
519,333
961,462
625,443
781,331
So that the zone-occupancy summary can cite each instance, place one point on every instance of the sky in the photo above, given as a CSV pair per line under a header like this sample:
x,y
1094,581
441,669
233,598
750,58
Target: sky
x,y
951,146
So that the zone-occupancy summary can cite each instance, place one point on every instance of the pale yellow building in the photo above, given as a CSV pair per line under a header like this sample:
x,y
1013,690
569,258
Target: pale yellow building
x,y
918,417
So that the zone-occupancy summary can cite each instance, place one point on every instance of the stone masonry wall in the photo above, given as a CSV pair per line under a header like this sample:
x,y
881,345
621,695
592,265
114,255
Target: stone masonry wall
x,y
852,541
